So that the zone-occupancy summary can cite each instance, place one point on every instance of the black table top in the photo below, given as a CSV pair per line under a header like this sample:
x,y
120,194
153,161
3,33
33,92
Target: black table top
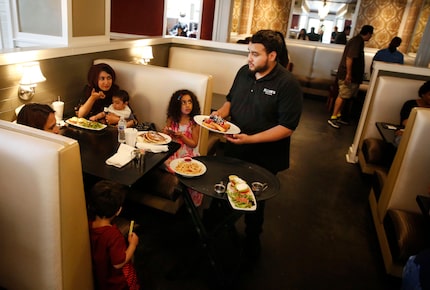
x,y
387,131
97,146
219,168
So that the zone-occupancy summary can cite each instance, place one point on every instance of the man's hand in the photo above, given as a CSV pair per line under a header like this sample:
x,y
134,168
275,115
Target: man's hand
x,y
237,138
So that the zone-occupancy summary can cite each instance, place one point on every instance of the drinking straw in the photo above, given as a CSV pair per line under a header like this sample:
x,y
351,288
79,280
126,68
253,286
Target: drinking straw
x,y
131,227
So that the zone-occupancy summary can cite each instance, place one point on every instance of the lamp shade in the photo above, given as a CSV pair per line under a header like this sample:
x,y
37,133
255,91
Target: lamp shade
x,y
31,74
147,52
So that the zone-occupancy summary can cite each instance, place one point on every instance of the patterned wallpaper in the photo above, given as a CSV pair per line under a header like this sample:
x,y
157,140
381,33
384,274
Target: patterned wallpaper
x,y
271,14
385,16
421,25
267,14
235,17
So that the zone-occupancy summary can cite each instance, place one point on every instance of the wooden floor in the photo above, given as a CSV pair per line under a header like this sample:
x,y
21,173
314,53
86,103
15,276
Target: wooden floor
x,y
318,232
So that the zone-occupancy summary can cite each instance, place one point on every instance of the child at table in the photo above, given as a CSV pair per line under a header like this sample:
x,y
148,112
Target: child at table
x,y
180,125
110,254
118,108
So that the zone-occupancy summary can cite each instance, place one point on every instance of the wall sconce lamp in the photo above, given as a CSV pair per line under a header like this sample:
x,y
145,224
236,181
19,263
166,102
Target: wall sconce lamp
x,y
31,75
146,55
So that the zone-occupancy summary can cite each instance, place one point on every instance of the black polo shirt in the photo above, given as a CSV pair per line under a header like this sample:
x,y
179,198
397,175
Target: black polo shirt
x,y
258,105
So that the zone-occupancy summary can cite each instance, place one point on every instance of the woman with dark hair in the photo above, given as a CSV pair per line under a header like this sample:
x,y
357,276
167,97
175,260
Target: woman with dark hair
x,y
302,34
99,90
39,116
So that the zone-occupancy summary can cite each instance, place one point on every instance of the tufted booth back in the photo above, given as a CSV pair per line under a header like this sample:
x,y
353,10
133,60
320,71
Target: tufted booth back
x,y
43,220
221,66
150,88
409,173
388,98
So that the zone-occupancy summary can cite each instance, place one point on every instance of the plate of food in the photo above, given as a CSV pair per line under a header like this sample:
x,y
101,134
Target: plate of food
x,y
240,195
217,124
153,137
85,124
187,167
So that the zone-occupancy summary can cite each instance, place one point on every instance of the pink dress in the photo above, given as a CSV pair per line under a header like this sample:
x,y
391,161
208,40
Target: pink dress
x,y
186,151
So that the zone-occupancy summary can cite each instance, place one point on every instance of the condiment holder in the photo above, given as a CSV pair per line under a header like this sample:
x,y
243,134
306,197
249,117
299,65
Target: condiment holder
x,y
138,156
258,187
219,188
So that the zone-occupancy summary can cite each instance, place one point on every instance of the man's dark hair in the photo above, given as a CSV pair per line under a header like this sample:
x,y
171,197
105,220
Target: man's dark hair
x,y
366,29
106,198
425,88
269,39
34,115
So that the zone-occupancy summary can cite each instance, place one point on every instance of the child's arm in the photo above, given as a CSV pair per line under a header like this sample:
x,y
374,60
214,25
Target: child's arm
x,y
133,240
190,142
112,119
167,129
99,116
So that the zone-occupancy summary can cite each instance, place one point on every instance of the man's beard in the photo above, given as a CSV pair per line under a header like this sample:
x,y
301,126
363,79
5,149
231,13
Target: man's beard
x,y
258,69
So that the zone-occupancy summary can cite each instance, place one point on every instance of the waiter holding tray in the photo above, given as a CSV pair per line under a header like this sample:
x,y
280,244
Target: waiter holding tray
x,y
265,102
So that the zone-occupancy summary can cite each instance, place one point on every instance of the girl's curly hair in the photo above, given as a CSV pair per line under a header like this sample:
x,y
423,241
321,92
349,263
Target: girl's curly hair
x,y
174,108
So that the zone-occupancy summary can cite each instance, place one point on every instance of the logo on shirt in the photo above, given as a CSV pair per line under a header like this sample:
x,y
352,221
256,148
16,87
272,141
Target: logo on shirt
x,y
269,92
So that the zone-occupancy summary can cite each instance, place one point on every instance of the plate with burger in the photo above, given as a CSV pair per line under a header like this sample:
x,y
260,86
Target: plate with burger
x,y
240,194
153,137
216,124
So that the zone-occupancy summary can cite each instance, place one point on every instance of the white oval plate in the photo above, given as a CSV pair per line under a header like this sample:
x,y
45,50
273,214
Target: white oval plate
x,y
231,191
175,162
232,130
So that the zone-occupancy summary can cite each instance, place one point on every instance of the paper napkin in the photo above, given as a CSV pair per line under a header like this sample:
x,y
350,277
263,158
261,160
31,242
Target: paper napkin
x,y
152,147
122,156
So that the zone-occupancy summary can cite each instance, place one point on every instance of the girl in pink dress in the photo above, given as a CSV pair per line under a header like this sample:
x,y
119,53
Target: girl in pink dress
x,y
180,125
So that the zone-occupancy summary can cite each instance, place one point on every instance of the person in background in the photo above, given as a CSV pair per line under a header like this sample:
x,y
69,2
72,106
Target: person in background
x,y
341,37
118,108
39,116
313,36
265,101
180,125
333,34
321,33
110,254
422,102
390,54
98,92
350,73
302,34
416,272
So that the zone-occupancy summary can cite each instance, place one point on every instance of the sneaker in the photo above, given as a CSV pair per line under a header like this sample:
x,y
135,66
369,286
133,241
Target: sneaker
x,y
342,122
334,123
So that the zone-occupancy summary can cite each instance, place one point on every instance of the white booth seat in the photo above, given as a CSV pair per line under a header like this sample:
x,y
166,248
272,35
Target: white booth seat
x,y
45,240
389,95
150,88
398,220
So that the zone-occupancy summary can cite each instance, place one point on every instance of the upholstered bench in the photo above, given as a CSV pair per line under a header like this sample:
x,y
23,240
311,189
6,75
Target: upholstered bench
x,y
401,229
407,234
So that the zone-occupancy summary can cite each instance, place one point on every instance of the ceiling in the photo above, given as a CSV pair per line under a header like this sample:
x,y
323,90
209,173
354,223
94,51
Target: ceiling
x,y
334,5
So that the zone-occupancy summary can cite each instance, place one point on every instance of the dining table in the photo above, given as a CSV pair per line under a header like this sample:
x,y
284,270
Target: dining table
x,y
96,146
218,170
